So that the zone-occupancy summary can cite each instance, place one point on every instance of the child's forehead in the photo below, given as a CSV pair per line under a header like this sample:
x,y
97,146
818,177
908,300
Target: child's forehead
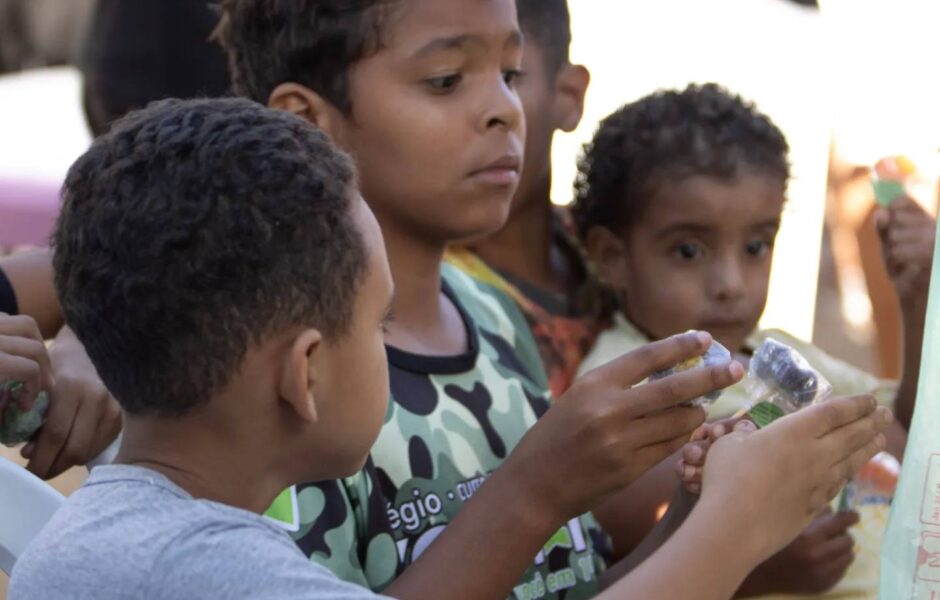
x,y
746,200
421,26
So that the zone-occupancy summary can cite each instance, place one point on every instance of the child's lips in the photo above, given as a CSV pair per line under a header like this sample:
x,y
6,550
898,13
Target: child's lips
x,y
502,172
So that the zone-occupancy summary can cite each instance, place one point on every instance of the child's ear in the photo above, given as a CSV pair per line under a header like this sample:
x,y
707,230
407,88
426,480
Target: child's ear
x,y
608,253
571,87
307,104
300,373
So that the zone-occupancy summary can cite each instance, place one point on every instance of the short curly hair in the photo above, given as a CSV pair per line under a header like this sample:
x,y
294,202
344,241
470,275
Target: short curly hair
x,y
315,42
310,42
197,228
672,135
547,23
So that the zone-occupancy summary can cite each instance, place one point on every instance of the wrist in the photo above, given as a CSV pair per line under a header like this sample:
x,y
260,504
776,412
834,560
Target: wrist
x,y
67,350
756,584
542,513
740,529
737,541
63,343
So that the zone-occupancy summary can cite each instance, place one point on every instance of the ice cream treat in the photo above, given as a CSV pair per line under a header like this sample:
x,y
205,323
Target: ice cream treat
x,y
715,355
891,177
780,382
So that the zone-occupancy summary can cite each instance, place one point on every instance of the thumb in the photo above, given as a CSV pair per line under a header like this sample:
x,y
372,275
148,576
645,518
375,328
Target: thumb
x,y
28,450
836,524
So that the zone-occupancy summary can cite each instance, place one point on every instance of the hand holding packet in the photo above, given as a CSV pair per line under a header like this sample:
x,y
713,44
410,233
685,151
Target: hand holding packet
x,y
716,355
780,382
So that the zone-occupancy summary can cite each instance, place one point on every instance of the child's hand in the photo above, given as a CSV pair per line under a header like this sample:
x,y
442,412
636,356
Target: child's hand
x,y
83,418
813,563
604,433
691,465
908,235
23,358
775,481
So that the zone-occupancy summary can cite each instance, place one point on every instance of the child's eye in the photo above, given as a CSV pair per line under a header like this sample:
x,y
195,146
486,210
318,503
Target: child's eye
x,y
512,77
688,252
445,83
758,248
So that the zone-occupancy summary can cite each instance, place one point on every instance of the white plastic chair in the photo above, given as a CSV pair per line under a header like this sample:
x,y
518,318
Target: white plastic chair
x,y
26,505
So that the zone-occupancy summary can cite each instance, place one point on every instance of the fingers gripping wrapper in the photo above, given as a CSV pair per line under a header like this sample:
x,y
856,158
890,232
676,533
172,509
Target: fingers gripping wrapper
x,y
781,382
20,417
716,355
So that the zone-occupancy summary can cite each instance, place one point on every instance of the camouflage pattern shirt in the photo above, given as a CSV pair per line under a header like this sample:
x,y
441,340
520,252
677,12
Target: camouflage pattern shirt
x,y
451,421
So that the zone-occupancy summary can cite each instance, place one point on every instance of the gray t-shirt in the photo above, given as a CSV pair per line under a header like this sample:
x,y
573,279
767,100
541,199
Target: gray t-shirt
x,y
131,533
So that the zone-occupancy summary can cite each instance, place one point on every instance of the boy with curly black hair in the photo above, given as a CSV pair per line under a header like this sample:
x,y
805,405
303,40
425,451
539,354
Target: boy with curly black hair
x,y
219,266
679,200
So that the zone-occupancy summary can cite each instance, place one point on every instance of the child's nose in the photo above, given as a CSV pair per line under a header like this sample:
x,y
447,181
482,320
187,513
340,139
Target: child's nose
x,y
729,281
503,108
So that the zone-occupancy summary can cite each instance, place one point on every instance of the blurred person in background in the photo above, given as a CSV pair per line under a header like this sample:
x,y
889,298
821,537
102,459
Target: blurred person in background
x,y
40,33
138,51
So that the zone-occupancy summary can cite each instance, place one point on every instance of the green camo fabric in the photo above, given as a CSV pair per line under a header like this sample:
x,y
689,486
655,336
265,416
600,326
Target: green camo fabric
x,y
450,423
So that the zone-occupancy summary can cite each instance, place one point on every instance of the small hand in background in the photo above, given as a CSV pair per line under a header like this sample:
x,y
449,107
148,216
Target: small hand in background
x,y
908,234
691,463
813,563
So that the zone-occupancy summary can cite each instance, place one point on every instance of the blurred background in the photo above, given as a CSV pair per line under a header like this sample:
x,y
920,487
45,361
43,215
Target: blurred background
x,y
848,81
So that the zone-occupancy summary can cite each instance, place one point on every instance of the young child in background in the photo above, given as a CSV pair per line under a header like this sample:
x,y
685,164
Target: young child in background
x,y
679,201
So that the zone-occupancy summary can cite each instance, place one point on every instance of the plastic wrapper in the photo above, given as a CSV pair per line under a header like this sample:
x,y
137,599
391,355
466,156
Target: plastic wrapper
x,y
18,425
874,484
891,177
781,382
715,355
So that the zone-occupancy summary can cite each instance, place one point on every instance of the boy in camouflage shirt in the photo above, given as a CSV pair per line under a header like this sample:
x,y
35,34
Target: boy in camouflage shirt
x,y
422,94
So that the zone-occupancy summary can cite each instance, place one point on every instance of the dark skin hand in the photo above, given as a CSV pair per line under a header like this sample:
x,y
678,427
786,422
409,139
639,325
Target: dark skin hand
x,y
83,418
23,358
600,436
821,554
908,234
